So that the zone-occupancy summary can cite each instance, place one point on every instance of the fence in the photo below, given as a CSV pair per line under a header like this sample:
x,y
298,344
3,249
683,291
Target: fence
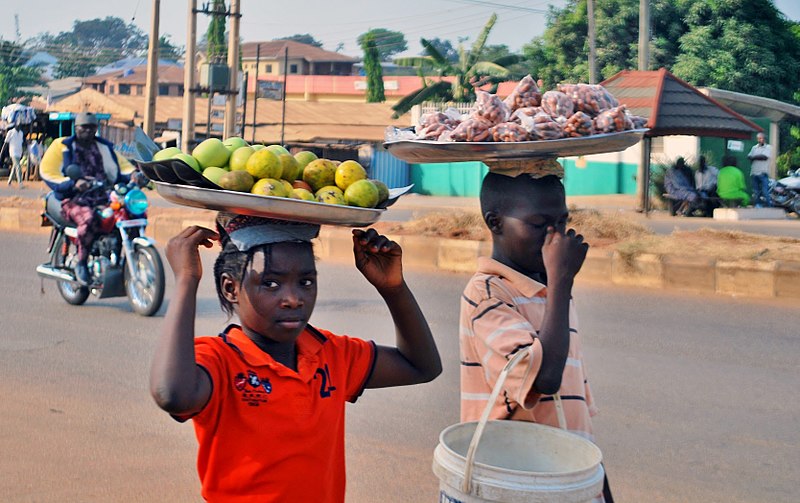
x,y
438,106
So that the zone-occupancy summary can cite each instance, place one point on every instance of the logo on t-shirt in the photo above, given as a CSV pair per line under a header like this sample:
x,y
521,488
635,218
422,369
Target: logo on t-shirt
x,y
253,389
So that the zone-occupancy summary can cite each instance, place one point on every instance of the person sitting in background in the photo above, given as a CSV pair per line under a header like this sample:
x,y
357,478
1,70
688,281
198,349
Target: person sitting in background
x,y
705,178
731,186
705,181
678,182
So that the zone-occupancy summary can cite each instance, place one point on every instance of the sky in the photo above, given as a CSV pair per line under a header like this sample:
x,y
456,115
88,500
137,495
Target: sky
x,y
330,21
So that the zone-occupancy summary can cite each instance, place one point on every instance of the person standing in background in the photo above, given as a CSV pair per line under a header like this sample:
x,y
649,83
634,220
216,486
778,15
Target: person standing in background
x,y
14,143
759,156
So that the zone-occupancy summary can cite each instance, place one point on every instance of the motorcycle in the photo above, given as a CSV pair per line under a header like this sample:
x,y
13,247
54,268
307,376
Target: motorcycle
x,y
122,261
785,193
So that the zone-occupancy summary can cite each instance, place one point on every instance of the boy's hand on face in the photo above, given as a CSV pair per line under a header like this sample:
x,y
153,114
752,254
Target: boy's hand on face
x,y
182,251
378,258
563,254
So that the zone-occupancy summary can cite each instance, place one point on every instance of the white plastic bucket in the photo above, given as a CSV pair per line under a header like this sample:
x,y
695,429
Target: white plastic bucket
x,y
517,461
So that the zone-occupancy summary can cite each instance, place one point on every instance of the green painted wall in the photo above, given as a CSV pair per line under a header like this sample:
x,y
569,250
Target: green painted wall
x,y
448,178
463,179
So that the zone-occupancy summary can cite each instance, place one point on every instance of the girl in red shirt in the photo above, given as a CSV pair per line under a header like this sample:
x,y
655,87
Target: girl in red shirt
x,y
267,397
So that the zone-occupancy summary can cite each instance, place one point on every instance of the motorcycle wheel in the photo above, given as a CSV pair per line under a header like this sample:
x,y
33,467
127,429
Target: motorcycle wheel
x,y
146,290
73,293
796,207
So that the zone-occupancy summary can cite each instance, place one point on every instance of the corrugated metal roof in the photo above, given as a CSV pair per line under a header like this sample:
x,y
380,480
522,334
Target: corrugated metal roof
x,y
674,107
274,49
305,121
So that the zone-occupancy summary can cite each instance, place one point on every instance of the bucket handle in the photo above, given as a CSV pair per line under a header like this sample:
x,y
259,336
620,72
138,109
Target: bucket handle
x,y
466,484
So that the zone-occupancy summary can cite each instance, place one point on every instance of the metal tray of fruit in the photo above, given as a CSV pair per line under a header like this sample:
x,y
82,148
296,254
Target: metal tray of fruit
x,y
419,151
275,207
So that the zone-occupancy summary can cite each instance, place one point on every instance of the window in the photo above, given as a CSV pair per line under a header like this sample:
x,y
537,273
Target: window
x,y
124,89
292,68
269,68
163,90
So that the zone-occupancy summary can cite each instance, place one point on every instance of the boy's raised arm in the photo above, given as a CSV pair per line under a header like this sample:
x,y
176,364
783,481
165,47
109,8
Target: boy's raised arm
x,y
563,256
415,359
177,384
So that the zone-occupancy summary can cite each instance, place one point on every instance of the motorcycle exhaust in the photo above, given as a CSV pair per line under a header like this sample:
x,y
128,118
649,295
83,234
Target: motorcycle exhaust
x,y
48,271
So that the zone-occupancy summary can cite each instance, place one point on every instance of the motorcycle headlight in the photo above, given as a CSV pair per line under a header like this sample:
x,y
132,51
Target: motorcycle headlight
x,y
136,202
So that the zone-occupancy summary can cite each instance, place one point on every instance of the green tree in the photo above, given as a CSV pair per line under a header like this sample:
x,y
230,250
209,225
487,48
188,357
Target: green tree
x,y
303,38
167,50
372,67
91,44
470,70
443,47
387,42
217,46
746,46
562,52
13,74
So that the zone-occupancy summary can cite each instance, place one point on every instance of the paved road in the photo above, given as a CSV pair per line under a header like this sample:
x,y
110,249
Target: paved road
x,y
697,396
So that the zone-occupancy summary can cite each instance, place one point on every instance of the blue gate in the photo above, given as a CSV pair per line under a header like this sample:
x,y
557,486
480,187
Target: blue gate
x,y
389,169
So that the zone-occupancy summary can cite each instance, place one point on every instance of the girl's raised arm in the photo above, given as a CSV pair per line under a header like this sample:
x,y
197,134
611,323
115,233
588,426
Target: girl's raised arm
x,y
177,384
415,358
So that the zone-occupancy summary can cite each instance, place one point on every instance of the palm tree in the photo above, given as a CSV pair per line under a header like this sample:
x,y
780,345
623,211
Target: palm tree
x,y
469,72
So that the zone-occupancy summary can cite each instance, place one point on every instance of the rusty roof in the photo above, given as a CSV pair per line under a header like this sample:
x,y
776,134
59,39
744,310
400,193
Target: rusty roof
x,y
275,48
167,74
674,107
305,121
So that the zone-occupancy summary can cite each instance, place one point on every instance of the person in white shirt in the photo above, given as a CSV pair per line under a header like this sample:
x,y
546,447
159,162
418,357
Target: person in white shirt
x,y
14,142
759,156
705,178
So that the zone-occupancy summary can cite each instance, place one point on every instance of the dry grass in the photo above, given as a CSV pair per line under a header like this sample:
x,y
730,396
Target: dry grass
x,y
454,225
619,232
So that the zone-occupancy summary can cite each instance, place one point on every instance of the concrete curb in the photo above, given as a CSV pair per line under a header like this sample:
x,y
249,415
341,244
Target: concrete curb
x,y
747,278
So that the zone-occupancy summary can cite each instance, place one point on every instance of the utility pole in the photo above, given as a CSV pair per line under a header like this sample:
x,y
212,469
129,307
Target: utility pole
x,y
643,174
187,125
592,51
151,85
233,65
644,35
255,94
285,71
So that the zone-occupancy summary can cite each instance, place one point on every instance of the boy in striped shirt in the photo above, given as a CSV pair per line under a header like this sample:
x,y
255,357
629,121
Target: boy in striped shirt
x,y
522,297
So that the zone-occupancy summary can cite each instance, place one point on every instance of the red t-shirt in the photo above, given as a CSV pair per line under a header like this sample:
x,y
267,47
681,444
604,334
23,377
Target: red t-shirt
x,y
269,433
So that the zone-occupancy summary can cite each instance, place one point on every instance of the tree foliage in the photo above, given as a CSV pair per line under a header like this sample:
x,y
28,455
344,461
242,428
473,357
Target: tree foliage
x,y
372,67
470,70
740,45
443,47
562,52
13,74
91,44
303,38
167,50
387,42
217,45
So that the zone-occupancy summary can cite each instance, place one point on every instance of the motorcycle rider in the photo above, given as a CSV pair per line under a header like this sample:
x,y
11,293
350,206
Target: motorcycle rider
x,y
97,161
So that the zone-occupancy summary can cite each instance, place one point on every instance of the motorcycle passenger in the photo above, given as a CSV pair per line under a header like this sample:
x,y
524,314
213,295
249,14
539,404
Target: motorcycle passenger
x,y
98,162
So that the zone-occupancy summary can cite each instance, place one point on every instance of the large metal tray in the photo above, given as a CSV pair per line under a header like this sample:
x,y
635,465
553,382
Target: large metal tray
x,y
419,151
274,207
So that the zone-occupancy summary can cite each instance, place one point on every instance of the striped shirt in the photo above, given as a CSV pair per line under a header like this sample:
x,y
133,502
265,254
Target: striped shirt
x,y
501,313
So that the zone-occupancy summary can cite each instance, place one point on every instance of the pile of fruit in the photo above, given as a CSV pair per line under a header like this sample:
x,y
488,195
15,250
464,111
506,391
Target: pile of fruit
x,y
273,171
527,114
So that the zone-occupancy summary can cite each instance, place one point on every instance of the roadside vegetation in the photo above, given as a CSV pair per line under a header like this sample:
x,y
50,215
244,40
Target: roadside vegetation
x,y
619,232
